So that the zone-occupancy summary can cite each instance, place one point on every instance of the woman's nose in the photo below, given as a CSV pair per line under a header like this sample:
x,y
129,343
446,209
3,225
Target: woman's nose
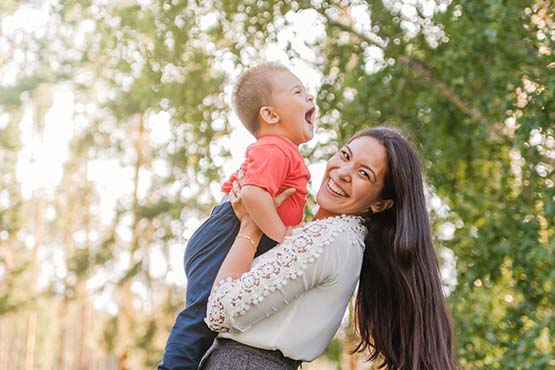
x,y
344,173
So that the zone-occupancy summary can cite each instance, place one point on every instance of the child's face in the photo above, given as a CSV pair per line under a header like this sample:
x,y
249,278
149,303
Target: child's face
x,y
294,106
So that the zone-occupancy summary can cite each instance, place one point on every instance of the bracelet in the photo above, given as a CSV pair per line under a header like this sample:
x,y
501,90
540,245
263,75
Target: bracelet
x,y
249,239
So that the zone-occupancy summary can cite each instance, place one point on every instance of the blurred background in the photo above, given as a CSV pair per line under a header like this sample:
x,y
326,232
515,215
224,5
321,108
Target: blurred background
x,y
116,133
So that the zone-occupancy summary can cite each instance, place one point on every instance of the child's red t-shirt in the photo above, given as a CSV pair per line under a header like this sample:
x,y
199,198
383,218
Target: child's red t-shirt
x,y
275,164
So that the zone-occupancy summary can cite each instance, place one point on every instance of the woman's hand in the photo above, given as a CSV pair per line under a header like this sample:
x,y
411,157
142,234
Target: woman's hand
x,y
237,203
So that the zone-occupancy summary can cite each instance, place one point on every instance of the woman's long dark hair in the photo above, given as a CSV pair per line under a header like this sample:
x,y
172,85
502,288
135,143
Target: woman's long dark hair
x,y
400,309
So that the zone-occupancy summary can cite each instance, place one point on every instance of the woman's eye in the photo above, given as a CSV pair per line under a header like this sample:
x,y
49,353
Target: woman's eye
x,y
364,173
345,154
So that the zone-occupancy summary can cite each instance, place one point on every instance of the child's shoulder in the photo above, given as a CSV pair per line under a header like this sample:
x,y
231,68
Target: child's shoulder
x,y
273,139
276,142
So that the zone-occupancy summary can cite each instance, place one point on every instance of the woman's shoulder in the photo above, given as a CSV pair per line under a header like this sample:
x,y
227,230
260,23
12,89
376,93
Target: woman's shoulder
x,y
329,229
307,242
304,250
349,223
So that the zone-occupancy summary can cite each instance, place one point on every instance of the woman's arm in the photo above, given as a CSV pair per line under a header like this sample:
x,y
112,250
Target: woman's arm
x,y
243,249
241,254
312,256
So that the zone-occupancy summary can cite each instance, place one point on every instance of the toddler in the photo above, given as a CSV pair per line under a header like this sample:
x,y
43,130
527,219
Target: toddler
x,y
274,106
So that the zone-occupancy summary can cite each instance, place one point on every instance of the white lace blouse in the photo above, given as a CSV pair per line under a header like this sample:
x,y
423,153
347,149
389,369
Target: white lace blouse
x,y
294,296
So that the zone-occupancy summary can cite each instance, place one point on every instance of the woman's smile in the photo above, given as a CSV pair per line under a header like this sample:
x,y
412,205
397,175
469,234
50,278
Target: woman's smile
x,y
334,188
353,179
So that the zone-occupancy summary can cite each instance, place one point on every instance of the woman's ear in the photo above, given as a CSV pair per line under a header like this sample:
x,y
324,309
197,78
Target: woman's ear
x,y
268,115
381,205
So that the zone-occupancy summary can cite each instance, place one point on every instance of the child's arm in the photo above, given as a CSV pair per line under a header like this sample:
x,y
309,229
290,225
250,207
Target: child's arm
x,y
243,249
260,206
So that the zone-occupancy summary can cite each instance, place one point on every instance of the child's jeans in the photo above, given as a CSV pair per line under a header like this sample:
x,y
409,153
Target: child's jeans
x,y
190,338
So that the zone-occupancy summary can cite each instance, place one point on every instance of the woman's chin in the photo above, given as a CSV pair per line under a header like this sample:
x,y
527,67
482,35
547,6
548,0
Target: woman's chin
x,y
325,208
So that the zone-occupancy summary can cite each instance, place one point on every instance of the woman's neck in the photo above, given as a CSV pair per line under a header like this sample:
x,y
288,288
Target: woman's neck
x,y
323,213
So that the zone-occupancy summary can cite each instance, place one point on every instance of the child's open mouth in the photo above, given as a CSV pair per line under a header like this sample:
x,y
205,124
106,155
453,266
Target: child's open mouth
x,y
309,116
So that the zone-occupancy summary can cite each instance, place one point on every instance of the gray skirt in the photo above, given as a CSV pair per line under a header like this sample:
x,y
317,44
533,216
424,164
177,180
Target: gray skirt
x,y
226,354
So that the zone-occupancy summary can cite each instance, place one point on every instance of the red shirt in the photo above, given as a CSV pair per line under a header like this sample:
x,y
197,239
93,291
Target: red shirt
x,y
275,164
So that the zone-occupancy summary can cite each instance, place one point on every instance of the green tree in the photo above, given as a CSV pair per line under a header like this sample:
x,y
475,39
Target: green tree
x,y
471,82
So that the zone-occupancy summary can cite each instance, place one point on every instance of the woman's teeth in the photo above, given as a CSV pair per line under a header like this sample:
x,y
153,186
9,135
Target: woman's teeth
x,y
334,188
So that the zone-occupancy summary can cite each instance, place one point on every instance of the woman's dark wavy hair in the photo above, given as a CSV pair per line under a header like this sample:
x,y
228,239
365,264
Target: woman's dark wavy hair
x,y
400,310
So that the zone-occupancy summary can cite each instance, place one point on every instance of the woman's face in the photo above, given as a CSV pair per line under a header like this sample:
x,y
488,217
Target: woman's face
x,y
353,179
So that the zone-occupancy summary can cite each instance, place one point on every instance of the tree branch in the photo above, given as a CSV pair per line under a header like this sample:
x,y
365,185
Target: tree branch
x,y
332,22
421,70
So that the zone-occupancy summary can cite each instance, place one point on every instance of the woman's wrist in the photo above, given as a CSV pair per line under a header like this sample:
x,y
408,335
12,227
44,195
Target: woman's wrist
x,y
249,228
249,239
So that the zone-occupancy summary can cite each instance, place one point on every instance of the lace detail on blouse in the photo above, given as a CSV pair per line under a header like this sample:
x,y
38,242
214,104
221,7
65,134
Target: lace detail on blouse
x,y
272,271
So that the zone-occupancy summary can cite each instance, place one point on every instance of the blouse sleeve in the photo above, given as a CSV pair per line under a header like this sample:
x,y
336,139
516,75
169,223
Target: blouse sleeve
x,y
275,279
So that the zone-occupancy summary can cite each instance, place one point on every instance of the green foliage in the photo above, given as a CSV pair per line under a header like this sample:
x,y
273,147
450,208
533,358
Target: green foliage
x,y
473,87
456,95
333,352
13,299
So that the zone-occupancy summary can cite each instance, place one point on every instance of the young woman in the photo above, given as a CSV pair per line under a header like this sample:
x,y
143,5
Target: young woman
x,y
372,228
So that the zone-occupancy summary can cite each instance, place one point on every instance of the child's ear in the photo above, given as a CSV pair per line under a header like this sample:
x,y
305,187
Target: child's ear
x,y
268,115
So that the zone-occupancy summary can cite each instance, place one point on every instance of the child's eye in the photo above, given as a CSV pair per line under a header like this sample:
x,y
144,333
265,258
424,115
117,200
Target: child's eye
x,y
298,92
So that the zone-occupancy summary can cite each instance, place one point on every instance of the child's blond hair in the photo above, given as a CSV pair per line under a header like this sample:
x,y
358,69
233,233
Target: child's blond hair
x,y
252,91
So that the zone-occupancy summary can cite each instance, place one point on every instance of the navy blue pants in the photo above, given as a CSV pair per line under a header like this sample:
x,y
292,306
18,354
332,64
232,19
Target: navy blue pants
x,y
190,338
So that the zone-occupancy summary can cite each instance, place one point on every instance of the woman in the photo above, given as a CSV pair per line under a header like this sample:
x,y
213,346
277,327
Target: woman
x,y
372,228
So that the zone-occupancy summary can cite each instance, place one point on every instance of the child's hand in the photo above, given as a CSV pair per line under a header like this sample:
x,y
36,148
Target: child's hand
x,y
278,200
283,196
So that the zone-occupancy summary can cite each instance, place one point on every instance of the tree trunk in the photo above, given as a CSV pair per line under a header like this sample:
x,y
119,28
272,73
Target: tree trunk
x,y
349,343
80,360
4,344
63,335
125,332
125,318
30,340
